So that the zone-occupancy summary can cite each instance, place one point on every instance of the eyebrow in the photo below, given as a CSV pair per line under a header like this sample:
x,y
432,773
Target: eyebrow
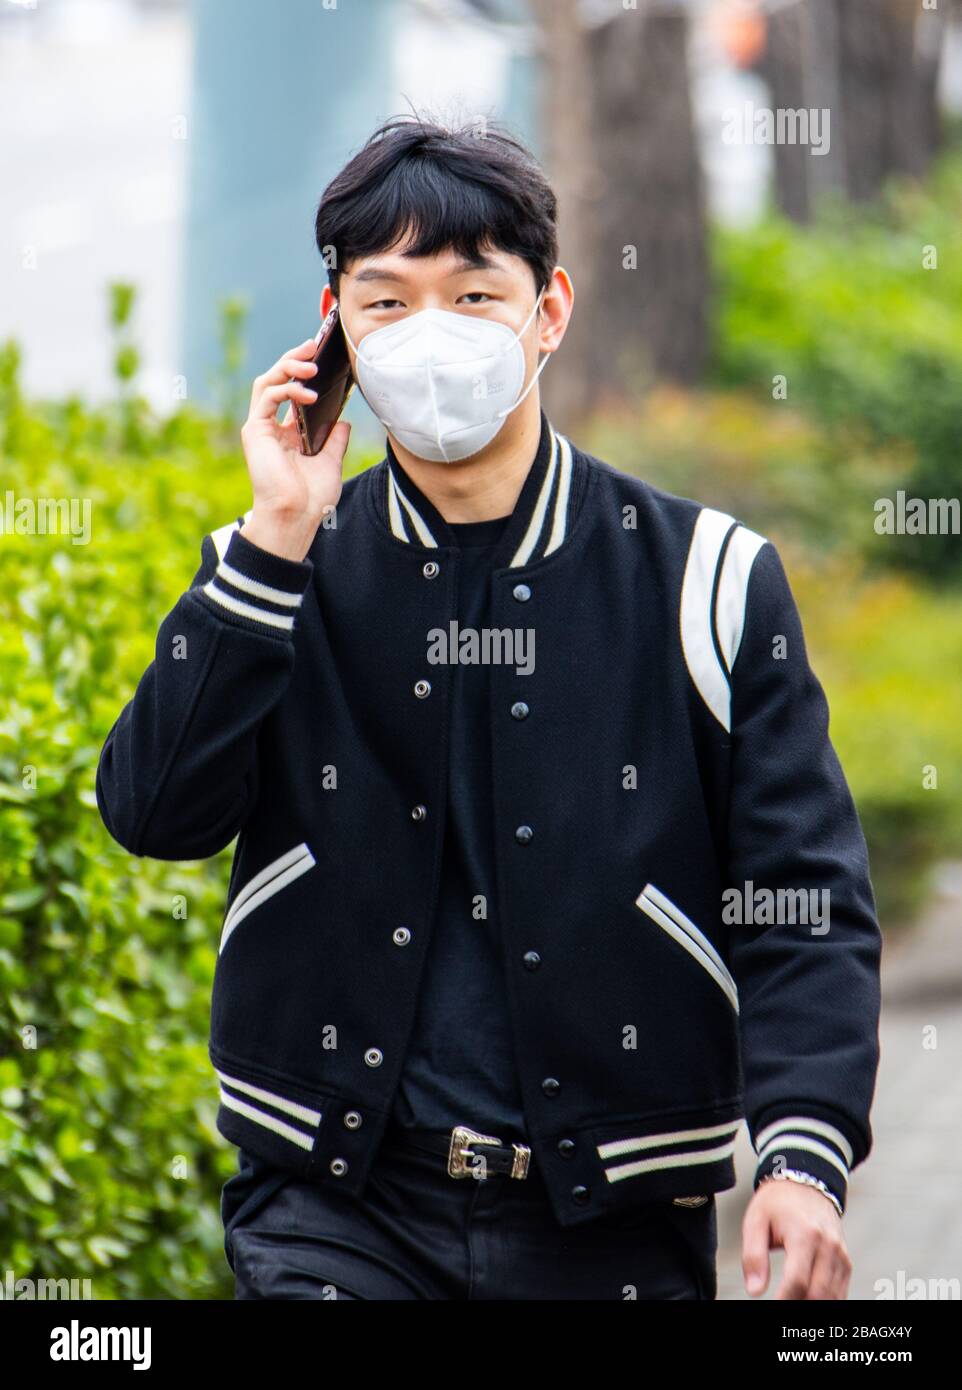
x,y
465,263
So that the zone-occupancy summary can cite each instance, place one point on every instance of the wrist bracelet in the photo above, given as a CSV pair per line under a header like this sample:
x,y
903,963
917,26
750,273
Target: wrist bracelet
x,y
795,1176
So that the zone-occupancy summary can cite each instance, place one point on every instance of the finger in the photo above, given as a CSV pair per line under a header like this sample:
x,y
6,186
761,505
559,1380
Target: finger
x,y
335,446
294,368
756,1239
271,397
800,1253
831,1271
282,368
823,1275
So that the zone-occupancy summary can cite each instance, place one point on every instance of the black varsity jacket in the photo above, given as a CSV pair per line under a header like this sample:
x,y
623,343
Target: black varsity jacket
x,y
683,894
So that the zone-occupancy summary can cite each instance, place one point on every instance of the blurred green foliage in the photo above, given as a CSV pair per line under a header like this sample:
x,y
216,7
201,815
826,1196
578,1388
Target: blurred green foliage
x,y
111,1164
863,316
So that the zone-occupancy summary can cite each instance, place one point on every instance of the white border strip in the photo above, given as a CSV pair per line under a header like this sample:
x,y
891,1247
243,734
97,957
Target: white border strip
x,y
247,610
290,1107
686,1160
655,1141
286,1131
733,590
265,884
276,866
524,550
803,1122
672,909
560,523
393,508
799,1141
256,588
417,521
695,612
695,943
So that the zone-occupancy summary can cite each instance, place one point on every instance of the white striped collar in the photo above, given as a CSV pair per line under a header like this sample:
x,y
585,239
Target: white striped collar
x,y
538,526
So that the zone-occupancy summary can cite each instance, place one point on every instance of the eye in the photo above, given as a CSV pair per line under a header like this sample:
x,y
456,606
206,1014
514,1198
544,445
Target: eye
x,y
476,296
383,304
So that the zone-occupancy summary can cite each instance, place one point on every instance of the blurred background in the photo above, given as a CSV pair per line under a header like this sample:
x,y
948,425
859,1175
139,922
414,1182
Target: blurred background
x,y
761,204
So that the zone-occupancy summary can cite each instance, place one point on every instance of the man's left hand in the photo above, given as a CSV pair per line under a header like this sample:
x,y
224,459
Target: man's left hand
x,y
799,1220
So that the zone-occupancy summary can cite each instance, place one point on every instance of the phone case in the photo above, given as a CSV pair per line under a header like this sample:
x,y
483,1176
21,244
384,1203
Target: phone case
x,y
333,381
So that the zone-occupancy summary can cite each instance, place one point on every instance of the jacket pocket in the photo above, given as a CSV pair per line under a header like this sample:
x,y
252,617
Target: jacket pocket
x,y
682,929
272,879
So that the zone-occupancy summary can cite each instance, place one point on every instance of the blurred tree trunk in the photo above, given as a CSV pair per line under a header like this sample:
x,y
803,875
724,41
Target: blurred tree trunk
x,y
874,65
800,65
653,208
888,57
568,385
623,157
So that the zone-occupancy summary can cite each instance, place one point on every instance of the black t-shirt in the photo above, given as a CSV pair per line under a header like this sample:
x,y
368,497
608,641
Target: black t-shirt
x,y
460,1067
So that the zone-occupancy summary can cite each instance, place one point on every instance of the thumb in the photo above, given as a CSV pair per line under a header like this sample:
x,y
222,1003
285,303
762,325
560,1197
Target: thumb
x,y
756,1230
335,446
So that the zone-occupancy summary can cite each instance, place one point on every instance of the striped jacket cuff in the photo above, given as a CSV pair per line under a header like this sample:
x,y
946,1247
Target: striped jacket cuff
x,y
258,589
808,1145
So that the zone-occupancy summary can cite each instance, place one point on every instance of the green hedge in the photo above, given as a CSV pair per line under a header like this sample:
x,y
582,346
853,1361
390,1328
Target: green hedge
x,y
869,339
111,1163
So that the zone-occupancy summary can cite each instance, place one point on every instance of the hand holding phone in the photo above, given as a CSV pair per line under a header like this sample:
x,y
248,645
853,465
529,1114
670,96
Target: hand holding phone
x,y
293,491
333,382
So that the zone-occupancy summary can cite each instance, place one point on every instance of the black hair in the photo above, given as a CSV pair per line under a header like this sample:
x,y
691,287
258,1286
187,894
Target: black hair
x,y
453,188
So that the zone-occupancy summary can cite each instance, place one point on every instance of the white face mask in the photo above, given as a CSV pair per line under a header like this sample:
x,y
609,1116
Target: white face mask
x,y
443,383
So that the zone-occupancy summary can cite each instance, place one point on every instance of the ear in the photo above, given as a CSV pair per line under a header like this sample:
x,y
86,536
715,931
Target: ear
x,y
327,301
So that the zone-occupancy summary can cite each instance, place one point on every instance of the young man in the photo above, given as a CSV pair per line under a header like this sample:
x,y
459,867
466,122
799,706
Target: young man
x,y
506,737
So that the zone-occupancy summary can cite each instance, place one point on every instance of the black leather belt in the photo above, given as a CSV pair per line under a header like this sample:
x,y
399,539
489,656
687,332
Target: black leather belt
x,y
468,1153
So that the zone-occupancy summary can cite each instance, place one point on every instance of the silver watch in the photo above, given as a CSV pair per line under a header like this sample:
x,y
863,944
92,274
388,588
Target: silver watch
x,y
793,1175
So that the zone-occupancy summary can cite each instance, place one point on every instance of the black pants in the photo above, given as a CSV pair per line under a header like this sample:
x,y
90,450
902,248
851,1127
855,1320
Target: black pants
x,y
416,1232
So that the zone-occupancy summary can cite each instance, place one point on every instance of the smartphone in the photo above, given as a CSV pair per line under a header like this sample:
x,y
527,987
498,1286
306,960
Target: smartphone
x,y
333,381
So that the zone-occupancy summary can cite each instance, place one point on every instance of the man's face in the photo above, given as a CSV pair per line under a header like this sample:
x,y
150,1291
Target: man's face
x,y
380,289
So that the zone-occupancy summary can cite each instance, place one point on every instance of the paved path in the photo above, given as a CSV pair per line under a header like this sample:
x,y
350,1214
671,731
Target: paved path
x,y
905,1202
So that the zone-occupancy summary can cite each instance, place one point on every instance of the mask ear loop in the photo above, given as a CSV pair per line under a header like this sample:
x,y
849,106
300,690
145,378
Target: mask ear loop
x,y
383,419
340,319
547,358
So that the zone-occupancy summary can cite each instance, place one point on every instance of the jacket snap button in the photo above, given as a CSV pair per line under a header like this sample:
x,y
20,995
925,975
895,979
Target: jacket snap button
x,y
566,1148
532,960
579,1194
422,688
374,1056
401,936
524,834
352,1119
519,710
551,1085
418,812
521,592
431,570
338,1167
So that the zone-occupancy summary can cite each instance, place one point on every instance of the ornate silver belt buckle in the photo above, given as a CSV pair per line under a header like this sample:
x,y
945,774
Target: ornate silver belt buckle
x,y
459,1153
